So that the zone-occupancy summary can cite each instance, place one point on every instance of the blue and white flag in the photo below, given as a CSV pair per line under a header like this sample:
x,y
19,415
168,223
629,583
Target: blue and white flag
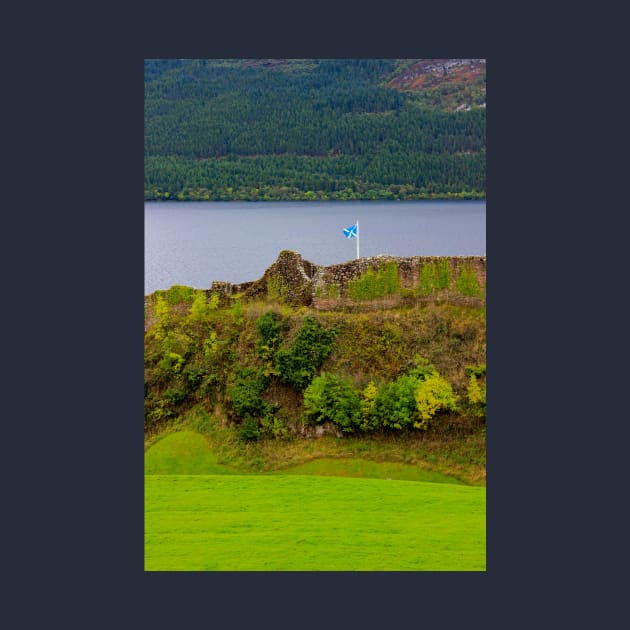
x,y
351,231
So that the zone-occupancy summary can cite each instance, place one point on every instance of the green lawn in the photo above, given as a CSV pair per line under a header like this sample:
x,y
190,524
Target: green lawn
x,y
219,522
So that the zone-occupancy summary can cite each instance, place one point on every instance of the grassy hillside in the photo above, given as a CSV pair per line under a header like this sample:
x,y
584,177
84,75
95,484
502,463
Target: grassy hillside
x,y
204,443
272,385
191,453
314,129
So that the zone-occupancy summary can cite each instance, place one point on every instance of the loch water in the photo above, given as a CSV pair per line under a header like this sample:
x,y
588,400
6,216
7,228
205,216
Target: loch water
x,y
196,243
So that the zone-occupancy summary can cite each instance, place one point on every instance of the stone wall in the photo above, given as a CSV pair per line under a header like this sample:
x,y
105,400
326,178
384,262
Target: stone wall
x,y
299,282
408,270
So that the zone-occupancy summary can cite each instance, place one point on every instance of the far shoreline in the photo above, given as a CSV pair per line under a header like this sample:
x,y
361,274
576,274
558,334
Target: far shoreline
x,y
306,201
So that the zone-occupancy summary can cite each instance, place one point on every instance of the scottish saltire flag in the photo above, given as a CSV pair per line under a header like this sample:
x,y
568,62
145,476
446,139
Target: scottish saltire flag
x,y
351,231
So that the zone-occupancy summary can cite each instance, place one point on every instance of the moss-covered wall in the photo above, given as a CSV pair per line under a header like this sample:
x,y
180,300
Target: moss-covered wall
x,y
408,271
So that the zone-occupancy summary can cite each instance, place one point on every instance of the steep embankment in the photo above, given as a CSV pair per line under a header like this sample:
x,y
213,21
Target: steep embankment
x,y
383,359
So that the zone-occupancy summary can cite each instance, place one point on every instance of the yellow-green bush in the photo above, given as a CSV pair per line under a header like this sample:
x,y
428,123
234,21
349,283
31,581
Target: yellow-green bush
x,y
433,394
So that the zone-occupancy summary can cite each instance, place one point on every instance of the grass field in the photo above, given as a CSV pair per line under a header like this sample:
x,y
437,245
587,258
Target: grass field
x,y
325,515
311,523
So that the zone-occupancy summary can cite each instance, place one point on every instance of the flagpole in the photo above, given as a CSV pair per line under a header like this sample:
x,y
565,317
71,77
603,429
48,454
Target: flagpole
x,y
357,238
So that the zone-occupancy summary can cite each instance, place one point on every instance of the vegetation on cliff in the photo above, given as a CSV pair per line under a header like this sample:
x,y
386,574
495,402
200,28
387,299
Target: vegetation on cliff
x,y
262,373
314,129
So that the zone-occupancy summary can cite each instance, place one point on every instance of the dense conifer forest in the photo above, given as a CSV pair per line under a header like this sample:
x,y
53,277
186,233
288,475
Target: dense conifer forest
x,y
314,129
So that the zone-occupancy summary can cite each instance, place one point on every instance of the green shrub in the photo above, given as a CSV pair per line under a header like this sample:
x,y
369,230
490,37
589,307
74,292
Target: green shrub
x,y
421,368
245,393
334,399
194,375
248,430
413,399
236,310
161,313
273,426
410,401
174,395
368,418
476,391
178,342
209,385
477,370
177,294
315,399
269,328
210,346
298,363
200,307
395,404
156,411
171,362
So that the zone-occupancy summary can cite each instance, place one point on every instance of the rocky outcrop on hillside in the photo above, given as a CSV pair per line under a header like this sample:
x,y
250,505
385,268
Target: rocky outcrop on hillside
x,y
432,72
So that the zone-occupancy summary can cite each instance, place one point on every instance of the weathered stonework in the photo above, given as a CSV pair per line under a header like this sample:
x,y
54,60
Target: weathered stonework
x,y
408,270
296,281
289,279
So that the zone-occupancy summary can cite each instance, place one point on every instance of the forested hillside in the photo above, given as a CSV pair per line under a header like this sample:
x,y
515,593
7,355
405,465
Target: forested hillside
x,y
314,129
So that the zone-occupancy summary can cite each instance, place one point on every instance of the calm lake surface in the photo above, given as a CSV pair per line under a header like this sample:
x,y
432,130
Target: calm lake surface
x,y
195,243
